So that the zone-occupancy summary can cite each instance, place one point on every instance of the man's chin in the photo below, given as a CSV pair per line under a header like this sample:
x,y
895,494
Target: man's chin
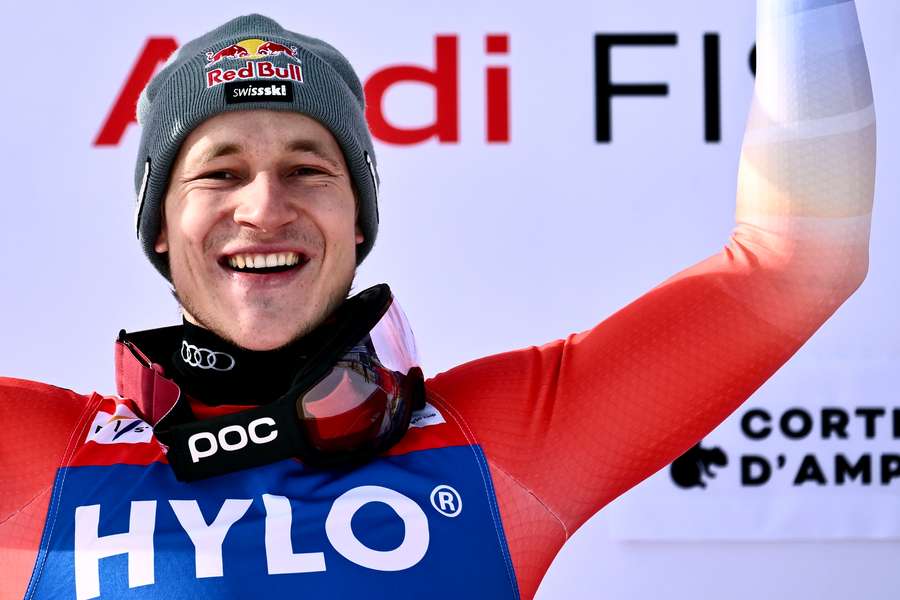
x,y
264,327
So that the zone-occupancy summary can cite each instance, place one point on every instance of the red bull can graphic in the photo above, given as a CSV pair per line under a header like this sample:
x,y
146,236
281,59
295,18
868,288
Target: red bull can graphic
x,y
248,52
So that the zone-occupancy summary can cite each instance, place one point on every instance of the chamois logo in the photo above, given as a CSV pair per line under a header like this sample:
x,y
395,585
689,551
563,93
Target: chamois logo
x,y
689,469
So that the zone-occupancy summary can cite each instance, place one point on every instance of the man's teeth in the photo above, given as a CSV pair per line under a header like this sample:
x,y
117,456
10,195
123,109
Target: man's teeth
x,y
263,261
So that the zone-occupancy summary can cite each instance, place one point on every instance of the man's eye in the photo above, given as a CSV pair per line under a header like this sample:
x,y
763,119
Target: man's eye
x,y
218,175
307,171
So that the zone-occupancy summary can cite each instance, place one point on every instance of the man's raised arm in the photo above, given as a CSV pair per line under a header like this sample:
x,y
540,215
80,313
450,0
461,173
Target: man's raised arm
x,y
571,425
808,163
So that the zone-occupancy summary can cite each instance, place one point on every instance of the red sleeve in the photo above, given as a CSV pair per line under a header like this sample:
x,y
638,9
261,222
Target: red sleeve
x,y
571,425
37,422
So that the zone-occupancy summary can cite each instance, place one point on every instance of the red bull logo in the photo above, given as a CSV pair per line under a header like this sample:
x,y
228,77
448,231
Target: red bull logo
x,y
276,48
232,51
248,52
250,49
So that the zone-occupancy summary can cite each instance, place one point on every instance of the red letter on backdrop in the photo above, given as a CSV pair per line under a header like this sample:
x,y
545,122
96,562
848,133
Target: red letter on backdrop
x,y
122,114
445,80
497,86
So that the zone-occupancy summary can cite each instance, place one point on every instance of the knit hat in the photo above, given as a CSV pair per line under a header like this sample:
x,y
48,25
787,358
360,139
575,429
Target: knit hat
x,y
248,63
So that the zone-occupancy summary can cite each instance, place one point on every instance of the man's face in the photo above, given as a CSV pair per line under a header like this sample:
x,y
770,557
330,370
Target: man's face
x,y
253,188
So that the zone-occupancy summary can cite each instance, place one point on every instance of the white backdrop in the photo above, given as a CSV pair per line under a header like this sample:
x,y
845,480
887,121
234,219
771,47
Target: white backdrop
x,y
489,246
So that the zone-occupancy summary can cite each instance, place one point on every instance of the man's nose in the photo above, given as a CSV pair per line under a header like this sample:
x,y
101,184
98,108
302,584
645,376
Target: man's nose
x,y
265,204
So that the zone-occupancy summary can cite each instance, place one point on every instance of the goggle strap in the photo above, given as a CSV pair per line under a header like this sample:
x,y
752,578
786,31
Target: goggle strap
x,y
243,440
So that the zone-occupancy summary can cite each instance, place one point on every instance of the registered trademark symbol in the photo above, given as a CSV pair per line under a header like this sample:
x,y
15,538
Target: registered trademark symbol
x,y
446,501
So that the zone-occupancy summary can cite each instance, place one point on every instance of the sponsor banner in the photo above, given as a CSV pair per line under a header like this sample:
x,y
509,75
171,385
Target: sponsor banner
x,y
814,455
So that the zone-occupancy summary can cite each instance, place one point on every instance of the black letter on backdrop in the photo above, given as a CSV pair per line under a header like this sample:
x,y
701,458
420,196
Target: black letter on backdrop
x,y
845,470
809,471
834,420
712,83
870,415
605,89
756,434
890,467
763,472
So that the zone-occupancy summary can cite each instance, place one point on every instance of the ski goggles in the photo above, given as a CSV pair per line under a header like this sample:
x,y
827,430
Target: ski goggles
x,y
351,400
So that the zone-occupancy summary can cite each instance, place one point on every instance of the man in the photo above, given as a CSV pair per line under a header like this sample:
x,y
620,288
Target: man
x,y
282,440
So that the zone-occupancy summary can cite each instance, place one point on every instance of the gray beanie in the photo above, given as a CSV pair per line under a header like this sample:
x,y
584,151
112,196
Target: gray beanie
x,y
251,62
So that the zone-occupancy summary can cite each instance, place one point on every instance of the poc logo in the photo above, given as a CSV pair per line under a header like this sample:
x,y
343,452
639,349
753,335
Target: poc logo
x,y
231,438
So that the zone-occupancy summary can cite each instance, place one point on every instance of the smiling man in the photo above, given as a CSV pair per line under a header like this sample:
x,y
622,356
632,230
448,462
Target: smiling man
x,y
260,227
282,440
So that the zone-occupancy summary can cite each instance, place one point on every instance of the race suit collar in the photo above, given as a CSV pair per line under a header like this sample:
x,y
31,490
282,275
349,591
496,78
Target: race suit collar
x,y
154,367
206,368
217,372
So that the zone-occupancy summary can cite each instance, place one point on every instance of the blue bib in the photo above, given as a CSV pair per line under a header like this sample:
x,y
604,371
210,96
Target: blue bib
x,y
423,523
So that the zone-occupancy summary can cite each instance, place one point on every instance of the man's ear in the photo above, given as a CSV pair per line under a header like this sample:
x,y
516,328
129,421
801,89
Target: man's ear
x,y
162,240
360,238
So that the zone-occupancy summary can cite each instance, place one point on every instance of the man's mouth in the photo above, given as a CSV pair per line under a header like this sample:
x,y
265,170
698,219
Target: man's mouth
x,y
263,264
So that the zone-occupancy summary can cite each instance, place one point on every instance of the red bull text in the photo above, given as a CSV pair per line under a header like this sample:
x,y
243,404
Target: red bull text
x,y
254,70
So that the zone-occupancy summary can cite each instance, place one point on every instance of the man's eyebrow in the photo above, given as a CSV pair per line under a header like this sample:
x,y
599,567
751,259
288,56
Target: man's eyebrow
x,y
299,145
217,150
313,147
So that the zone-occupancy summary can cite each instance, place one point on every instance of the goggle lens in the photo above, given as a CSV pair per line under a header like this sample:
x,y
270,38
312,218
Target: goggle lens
x,y
350,408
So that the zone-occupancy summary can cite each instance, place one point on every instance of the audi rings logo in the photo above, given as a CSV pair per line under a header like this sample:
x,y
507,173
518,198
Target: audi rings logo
x,y
204,358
